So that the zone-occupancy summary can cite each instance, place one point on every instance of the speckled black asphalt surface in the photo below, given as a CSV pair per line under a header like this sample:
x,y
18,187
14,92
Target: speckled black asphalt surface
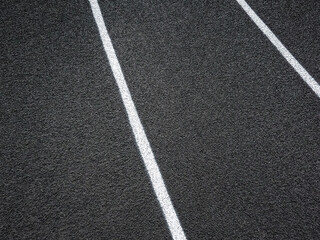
x,y
234,129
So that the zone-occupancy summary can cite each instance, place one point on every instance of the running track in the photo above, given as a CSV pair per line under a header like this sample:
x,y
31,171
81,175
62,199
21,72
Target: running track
x,y
160,120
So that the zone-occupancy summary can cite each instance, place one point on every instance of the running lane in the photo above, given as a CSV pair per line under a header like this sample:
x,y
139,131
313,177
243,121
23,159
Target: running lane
x,y
234,128
69,165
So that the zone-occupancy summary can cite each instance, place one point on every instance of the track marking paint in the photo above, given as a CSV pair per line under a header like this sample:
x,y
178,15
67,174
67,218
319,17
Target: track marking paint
x,y
138,131
281,48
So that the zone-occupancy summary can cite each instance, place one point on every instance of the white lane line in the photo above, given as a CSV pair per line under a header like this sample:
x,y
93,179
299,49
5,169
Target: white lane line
x,y
138,131
282,49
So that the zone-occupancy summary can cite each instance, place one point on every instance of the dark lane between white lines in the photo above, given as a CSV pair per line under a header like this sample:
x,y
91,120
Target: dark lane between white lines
x,y
234,128
69,165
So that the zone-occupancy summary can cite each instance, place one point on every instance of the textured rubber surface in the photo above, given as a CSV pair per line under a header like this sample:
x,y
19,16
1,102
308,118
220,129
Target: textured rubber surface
x,y
234,129
69,165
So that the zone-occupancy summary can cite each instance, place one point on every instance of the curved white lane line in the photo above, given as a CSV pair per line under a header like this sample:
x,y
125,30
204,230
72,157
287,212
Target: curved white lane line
x,y
138,131
281,48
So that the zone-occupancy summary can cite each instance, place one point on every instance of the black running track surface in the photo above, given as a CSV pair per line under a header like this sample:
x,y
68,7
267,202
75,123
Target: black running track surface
x,y
234,129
